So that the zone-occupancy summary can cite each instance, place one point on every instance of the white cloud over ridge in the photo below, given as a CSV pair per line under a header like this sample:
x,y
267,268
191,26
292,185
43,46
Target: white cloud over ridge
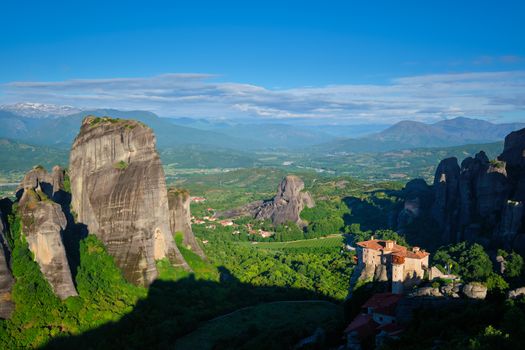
x,y
489,95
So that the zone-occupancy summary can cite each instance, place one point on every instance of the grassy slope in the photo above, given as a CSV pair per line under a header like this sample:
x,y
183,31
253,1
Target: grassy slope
x,y
277,325
323,242
202,269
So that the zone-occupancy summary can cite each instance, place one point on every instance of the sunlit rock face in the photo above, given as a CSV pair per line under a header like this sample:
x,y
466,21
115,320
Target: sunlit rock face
x,y
119,192
287,204
43,226
180,219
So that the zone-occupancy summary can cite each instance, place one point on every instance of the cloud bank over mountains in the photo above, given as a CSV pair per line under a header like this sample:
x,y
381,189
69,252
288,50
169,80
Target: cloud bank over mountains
x,y
488,95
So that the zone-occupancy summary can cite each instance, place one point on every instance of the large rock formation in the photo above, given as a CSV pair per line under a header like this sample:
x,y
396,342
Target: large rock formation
x,y
285,207
180,219
483,200
446,205
514,157
43,225
6,277
119,192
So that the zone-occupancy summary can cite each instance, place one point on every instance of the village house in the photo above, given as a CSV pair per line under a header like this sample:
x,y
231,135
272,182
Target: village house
x,y
226,223
198,199
265,234
377,319
384,260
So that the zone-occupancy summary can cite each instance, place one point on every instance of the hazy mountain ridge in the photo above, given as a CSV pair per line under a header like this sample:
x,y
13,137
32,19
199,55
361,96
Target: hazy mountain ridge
x,y
450,132
412,134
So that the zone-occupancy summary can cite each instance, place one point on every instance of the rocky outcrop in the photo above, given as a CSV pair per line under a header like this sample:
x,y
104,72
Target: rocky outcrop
x,y
285,207
6,277
180,219
475,290
119,192
483,200
446,206
43,225
451,289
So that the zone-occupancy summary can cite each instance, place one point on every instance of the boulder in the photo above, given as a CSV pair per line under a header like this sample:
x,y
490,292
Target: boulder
x,y
451,289
180,219
426,292
119,191
516,293
475,290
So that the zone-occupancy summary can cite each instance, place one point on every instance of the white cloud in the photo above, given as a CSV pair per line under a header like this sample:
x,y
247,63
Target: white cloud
x,y
425,97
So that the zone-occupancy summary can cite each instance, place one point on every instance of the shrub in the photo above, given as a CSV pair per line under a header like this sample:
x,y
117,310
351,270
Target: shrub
x,y
121,165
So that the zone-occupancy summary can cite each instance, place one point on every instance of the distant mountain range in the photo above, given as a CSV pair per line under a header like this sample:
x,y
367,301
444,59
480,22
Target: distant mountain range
x,y
51,125
410,134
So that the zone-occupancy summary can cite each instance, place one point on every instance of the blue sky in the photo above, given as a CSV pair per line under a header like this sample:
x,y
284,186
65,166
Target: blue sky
x,y
351,61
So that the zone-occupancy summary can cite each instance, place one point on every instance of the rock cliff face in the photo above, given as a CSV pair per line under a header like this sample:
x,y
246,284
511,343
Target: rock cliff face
x,y
43,225
180,219
119,192
286,206
514,157
6,277
417,198
483,200
446,186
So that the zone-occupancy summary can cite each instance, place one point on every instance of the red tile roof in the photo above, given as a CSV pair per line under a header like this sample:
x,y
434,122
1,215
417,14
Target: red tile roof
x,y
383,303
380,244
364,325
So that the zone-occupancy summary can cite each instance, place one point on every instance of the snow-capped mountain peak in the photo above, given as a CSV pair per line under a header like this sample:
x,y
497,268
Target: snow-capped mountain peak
x,y
39,110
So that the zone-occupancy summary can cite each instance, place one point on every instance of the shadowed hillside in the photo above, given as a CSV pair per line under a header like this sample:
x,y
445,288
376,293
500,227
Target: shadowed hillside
x,y
173,310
